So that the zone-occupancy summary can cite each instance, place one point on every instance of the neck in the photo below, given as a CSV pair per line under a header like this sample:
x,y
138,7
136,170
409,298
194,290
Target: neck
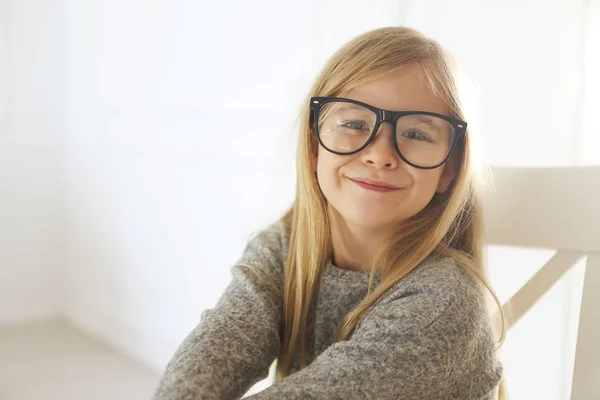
x,y
354,247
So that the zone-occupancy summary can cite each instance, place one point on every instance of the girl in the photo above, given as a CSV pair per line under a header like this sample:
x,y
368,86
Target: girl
x,y
372,285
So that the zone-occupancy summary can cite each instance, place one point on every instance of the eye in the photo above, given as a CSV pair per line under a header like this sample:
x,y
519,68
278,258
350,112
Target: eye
x,y
415,135
356,125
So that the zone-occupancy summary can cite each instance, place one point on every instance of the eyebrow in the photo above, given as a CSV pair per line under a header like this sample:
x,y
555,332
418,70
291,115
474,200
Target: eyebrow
x,y
427,120
424,118
357,107
353,106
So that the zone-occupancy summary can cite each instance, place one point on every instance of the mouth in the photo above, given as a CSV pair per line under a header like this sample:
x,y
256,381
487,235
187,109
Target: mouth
x,y
374,186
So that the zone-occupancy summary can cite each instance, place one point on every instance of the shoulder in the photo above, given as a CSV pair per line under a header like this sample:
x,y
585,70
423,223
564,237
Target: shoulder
x,y
440,293
273,238
266,250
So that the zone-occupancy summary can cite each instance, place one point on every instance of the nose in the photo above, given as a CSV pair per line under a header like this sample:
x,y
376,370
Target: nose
x,y
380,152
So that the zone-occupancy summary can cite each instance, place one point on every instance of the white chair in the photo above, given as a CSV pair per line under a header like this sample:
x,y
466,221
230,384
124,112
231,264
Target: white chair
x,y
554,208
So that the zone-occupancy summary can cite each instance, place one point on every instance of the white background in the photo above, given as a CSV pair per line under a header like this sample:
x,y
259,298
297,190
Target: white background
x,y
142,142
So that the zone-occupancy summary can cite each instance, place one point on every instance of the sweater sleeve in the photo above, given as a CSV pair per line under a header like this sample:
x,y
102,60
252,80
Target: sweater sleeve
x,y
235,342
431,340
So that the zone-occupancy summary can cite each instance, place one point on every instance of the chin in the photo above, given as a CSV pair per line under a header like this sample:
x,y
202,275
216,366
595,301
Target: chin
x,y
368,220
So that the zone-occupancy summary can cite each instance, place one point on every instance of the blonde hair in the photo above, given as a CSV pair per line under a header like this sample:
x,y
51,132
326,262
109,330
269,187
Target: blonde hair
x,y
451,224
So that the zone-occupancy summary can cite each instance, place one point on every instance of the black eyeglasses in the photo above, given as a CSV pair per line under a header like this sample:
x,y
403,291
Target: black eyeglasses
x,y
422,139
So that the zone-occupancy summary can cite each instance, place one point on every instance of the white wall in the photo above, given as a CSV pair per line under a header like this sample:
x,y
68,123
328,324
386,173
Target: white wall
x,y
590,96
180,144
32,106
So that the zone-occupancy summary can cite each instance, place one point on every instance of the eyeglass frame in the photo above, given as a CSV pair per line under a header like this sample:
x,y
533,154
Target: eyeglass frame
x,y
381,116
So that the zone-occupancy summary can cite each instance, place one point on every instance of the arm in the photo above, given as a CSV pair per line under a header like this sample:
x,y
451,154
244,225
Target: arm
x,y
430,341
236,341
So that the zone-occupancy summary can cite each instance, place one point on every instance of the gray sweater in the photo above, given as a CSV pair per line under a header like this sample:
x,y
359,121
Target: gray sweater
x,y
429,337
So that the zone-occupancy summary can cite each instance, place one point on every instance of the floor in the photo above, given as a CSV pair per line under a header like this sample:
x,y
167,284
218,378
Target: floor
x,y
54,362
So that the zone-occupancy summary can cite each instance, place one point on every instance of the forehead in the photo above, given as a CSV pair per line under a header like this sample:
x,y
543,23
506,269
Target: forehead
x,y
402,90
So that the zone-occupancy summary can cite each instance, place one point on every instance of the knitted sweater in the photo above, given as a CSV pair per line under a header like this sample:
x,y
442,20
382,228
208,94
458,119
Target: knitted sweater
x,y
428,337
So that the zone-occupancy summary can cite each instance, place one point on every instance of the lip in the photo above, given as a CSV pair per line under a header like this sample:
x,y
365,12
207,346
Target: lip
x,y
374,185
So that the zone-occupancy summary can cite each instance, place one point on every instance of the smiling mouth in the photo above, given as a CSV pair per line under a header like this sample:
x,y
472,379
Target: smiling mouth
x,y
373,187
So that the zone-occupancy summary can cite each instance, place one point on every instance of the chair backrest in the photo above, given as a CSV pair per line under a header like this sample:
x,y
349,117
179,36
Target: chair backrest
x,y
553,208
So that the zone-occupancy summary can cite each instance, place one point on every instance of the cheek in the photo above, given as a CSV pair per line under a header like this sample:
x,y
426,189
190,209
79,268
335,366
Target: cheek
x,y
426,182
328,166
329,173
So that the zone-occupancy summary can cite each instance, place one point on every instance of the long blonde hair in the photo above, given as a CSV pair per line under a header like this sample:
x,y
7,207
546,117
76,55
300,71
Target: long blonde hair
x,y
451,224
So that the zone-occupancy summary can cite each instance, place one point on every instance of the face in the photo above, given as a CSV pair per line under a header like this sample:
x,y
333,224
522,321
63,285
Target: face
x,y
339,175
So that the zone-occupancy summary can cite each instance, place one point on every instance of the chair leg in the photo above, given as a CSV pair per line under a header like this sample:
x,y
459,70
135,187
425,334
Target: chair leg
x,y
586,375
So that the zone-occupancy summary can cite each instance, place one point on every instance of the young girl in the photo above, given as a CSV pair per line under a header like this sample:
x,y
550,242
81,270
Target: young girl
x,y
372,285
